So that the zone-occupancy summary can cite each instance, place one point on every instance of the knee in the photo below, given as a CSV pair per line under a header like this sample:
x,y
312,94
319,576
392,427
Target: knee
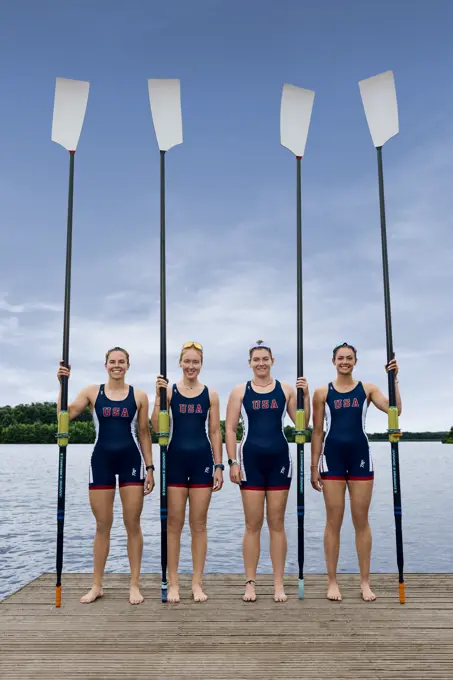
x,y
132,525
198,526
360,521
103,526
175,524
253,526
334,522
276,524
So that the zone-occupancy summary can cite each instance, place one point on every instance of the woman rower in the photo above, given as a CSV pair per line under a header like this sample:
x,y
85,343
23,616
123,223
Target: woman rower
x,y
263,468
119,413
194,463
346,460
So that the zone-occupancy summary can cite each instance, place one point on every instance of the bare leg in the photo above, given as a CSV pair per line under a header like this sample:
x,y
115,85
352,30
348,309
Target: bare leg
x,y
101,501
276,506
199,500
132,500
253,503
334,493
360,494
177,499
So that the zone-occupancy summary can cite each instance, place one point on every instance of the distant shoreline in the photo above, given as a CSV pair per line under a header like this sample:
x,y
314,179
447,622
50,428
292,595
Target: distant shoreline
x,y
36,424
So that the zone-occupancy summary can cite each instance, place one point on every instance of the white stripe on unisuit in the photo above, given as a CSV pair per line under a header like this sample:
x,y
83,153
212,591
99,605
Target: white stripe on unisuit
x,y
96,425
245,425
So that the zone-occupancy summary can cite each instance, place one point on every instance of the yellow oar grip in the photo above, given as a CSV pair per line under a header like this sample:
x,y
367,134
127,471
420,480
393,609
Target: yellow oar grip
x,y
164,428
300,427
402,597
58,596
394,430
63,428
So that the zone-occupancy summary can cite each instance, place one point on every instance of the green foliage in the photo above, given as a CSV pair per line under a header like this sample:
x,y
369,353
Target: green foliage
x,y
449,438
37,424
409,436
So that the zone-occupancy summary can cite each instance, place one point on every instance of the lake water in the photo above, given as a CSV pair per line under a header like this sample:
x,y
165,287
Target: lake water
x,y
28,492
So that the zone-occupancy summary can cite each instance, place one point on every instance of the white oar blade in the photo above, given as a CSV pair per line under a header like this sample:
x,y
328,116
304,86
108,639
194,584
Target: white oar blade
x,y
165,100
71,98
295,114
381,109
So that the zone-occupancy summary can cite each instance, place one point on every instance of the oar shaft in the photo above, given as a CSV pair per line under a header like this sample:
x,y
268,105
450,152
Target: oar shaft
x,y
64,387
300,322
163,308
300,418
393,414
385,271
163,391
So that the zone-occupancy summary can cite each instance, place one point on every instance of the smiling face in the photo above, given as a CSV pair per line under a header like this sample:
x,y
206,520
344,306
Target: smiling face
x,y
191,362
117,364
344,360
261,362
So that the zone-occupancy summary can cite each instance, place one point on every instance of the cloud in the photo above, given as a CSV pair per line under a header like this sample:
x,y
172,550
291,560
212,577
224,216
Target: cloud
x,y
229,285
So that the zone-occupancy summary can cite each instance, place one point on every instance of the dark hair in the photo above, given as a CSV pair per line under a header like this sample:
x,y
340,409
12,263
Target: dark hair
x,y
259,345
116,349
344,344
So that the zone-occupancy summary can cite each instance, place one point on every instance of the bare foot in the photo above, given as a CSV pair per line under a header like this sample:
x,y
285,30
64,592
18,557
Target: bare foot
x,y
173,594
333,593
135,596
198,593
280,595
92,595
367,593
249,595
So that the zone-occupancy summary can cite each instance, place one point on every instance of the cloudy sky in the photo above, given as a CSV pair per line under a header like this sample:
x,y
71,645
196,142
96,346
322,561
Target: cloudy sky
x,y
231,193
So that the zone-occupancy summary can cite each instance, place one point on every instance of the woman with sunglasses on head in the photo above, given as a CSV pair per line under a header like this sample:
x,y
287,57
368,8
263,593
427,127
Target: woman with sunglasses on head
x,y
122,446
194,463
345,460
263,466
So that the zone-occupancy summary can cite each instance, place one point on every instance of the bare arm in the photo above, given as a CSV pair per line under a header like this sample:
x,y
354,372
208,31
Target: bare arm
x,y
380,400
85,397
215,436
231,425
319,409
375,395
144,435
232,420
291,404
79,404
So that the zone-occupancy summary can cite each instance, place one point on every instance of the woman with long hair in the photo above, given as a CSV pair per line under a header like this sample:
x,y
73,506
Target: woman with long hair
x,y
345,460
123,448
263,466
194,463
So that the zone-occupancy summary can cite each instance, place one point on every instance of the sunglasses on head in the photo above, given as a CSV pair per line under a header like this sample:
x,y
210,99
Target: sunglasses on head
x,y
188,345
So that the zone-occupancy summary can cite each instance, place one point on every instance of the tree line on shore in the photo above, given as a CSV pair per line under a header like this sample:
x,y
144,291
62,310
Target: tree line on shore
x,y
37,424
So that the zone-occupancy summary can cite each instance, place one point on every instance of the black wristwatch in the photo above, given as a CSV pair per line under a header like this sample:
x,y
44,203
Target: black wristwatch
x,y
232,462
150,467
219,466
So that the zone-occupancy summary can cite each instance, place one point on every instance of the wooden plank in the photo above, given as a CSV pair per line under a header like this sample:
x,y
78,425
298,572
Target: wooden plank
x,y
226,638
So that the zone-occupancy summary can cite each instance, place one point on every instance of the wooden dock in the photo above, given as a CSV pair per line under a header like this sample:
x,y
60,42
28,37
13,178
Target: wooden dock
x,y
226,638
